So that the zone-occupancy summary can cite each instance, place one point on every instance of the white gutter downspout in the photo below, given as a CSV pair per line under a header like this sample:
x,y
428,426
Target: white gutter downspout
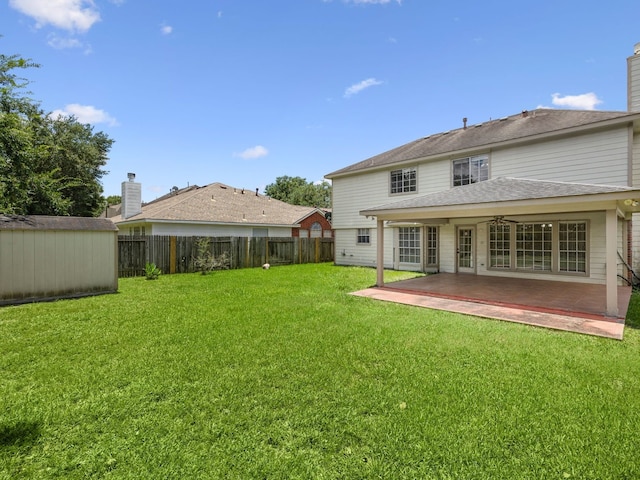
x,y
380,254
611,274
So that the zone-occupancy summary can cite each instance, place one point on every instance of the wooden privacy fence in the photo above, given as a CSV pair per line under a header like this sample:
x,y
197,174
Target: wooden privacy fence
x,y
174,254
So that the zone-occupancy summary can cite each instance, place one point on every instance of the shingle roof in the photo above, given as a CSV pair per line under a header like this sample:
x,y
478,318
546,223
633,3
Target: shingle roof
x,y
219,203
502,189
514,127
44,222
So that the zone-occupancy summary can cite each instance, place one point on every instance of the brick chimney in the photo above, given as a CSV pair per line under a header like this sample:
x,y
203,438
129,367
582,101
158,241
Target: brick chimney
x,y
633,80
131,197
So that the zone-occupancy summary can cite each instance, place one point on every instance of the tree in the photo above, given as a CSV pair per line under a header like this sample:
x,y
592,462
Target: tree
x,y
113,199
48,166
297,191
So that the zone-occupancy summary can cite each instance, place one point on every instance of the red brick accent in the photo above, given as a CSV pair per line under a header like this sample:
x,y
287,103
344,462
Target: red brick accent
x,y
310,220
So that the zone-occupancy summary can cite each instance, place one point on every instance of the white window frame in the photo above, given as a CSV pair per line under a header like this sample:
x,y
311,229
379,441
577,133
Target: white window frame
x,y
477,170
409,250
573,250
315,230
500,256
432,235
403,180
363,236
548,252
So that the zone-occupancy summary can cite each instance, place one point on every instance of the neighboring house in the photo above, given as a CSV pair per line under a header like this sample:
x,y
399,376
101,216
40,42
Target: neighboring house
x,y
216,210
546,194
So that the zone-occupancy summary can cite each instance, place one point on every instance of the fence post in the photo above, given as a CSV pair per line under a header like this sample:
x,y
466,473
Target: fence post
x,y
317,250
172,254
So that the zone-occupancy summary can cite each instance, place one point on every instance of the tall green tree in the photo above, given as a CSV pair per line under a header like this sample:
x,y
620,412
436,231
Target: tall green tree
x,y
48,166
297,191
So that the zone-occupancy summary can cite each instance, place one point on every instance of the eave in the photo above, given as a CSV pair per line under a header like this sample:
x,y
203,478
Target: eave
x,y
577,203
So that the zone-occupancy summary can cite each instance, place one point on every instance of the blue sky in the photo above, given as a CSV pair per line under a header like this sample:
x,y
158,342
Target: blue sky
x,y
245,91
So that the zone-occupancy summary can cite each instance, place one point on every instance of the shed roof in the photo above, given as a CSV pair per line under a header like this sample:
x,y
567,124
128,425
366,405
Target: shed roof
x,y
220,203
521,127
45,222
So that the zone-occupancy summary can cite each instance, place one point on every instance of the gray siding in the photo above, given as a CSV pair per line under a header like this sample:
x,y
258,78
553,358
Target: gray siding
x,y
43,264
599,158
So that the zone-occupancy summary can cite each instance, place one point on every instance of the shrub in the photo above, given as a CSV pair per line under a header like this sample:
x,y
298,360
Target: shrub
x,y
152,272
205,261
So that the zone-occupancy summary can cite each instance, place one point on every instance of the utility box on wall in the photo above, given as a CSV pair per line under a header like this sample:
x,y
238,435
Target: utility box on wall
x,y
46,258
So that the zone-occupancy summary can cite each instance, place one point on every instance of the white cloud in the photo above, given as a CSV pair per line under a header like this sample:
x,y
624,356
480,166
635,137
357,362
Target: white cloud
x,y
166,29
60,43
86,114
358,87
220,14
71,15
253,152
586,101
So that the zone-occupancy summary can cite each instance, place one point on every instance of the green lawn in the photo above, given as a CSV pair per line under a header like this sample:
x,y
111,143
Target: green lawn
x,y
281,374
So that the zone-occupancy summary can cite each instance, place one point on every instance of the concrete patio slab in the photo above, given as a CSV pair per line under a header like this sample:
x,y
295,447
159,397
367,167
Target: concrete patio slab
x,y
487,306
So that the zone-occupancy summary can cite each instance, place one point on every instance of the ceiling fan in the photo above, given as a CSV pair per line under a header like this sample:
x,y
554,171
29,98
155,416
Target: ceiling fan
x,y
499,220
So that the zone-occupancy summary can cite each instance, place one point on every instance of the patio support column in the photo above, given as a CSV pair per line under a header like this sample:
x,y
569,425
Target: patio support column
x,y
611,242
380,254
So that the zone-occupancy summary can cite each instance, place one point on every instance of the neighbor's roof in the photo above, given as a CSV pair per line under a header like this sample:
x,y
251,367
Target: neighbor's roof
x,y
45,222
501,189
521,127
219,203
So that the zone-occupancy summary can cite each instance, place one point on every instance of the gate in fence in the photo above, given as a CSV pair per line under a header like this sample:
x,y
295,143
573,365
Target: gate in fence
x,y
173,254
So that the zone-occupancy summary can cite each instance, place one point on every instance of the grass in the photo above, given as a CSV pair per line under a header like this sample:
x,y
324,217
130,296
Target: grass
x,y
282,374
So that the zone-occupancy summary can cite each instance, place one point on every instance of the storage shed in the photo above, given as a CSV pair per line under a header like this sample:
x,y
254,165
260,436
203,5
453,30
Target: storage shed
x,y
46,258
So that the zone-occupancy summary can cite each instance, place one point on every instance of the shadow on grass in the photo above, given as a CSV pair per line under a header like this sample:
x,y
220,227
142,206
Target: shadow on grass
x,y
633,313
19,434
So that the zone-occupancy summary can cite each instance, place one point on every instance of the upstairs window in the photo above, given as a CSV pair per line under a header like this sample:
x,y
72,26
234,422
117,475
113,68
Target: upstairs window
x,y
403,180
470,170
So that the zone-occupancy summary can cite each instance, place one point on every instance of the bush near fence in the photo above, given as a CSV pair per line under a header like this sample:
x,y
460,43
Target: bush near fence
x,y
173,254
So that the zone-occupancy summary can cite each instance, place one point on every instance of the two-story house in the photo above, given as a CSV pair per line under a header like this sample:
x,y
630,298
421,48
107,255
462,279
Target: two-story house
x,y
543,194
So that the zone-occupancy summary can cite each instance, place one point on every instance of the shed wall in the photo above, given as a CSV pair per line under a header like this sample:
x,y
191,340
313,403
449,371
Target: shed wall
x,y
46,264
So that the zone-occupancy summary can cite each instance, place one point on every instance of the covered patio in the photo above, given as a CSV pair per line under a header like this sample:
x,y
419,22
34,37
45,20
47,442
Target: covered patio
x,y
569,306
491,269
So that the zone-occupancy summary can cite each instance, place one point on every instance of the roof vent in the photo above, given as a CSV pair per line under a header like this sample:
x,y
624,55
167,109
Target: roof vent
x,y
636,49
131,176
464,123
525,114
